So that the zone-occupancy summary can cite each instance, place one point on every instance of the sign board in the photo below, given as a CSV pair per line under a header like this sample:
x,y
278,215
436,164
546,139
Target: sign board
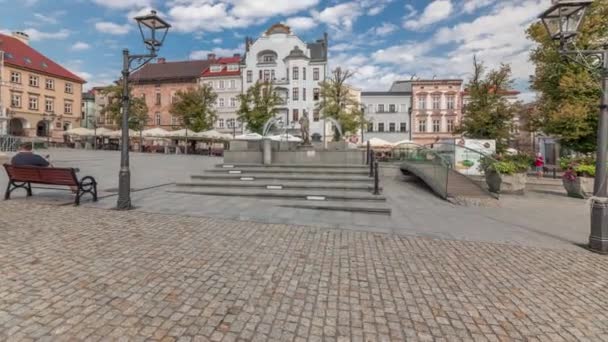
x,y
467,154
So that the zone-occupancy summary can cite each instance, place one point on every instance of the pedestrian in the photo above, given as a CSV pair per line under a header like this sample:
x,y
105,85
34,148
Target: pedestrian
x,y
25,157
539,164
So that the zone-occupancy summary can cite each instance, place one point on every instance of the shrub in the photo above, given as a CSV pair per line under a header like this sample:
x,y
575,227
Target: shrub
x,y
585,170
577,167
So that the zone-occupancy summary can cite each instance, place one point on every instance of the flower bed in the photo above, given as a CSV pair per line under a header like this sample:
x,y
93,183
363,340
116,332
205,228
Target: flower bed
x,y
578,178
506,174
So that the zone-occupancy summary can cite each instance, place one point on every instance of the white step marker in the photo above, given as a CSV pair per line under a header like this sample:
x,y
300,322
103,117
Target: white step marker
x,y
228,166
235,172
315,198
247,178
274,187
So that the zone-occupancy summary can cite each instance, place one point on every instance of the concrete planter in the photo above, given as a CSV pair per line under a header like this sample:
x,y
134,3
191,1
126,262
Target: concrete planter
x,y
513,184
494,181
581,187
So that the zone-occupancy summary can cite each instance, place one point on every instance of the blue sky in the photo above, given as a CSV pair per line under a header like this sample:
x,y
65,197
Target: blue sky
x,y
381,40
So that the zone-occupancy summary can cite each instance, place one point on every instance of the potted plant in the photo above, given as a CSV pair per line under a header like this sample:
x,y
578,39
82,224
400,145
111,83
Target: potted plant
x,y
578,178
506,174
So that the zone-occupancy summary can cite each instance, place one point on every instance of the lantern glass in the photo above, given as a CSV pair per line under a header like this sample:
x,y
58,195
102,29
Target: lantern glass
x,y
564,18
153,30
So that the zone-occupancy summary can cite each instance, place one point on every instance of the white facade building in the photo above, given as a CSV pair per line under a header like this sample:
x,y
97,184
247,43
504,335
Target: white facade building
x,y
388,113
295,68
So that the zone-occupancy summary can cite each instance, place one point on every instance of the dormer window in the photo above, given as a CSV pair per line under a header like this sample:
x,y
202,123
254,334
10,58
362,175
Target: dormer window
x,y
268,59
8,55
216,68
27,60
233,67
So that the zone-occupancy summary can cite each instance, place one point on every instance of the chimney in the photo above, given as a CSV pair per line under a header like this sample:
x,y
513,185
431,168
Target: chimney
x,y
161,60
237,55
22,36
211,56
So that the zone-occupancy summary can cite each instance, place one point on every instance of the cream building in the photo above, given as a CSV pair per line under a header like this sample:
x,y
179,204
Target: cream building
x,y
38,97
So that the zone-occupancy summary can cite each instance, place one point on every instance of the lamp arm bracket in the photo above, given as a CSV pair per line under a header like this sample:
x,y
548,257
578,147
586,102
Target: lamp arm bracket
x,y
138,61
578,57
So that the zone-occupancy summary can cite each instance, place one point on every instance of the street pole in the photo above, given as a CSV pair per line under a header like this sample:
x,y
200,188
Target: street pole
x,y
124,176
598,239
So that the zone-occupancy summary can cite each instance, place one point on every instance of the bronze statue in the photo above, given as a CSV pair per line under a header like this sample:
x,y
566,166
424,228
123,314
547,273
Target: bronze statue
x,y
305,129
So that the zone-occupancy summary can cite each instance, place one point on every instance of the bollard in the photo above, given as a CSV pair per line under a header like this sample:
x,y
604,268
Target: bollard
x,y
376,179
371,163
368,151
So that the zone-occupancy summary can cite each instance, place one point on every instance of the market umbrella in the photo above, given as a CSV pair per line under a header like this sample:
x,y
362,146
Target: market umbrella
x,y
214,135
102,132
80,131
285,137
156,132
377,142
249,136
118,133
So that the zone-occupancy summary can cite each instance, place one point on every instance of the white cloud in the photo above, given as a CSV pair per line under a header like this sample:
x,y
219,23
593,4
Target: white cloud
x,y
470,6
385,29
262,8
45,19
122,4
301,23
80,46
219,52
217,41
436,11
112,28
36,35
204,16
340,17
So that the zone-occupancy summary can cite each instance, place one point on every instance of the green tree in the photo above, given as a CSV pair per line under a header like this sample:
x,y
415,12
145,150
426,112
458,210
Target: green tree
x,y
568,92
338,102
258,105
488,114
195,107
138,110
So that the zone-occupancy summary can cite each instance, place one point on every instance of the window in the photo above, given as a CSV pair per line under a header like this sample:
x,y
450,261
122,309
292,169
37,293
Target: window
x,y
294,95
67,107
216,68
315,94
157,119
296,73
33,81
370,108
221,102
303,94
392,108
221,86
233,67
315,115
158,99
49,106
268,58
450,102
370,127
69,88
422,126
249,76
391,127
232,84
266,75
230,123
174,120
380,108
381,127
315,74
422,102
450,125
436,125
220,123
403,127
173,97
15,77
50,84
232,102
304,73
210,84
16,100
33,104
436,101
272,75
296,115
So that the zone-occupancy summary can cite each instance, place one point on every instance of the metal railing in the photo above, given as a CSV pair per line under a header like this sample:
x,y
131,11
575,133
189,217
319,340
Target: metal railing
x,y
426,163
9,143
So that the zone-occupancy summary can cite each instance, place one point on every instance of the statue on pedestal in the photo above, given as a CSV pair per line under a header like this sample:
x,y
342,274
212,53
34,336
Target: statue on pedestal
x,y
305,129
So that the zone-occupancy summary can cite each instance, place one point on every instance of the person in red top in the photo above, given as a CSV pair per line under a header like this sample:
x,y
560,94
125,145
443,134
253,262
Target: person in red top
x,y
539,163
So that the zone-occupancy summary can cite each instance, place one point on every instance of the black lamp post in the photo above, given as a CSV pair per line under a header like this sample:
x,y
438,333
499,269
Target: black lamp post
x,y
562,21
48,119
153,32
362,122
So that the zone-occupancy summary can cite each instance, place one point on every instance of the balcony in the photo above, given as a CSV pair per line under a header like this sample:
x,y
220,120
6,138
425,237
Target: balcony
x,y
280,81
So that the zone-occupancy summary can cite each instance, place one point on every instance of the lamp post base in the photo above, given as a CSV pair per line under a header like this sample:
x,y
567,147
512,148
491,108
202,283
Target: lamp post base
x,y
598,240
124,190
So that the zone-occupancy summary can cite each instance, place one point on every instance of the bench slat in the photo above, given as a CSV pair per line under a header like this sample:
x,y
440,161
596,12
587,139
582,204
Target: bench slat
x,y
42,175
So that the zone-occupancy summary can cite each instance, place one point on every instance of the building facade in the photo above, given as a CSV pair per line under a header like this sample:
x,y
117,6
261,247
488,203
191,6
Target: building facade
x,y
157,83
296,70
224,76
388,113
38,97
88,116
436,109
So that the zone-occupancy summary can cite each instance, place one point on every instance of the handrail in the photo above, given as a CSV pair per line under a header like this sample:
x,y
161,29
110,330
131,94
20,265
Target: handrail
x,y
434,171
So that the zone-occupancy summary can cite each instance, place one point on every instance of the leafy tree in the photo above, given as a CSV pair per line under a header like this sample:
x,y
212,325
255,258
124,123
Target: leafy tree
x,y
258,105
569,94
138,111
195,107
488,114
337,102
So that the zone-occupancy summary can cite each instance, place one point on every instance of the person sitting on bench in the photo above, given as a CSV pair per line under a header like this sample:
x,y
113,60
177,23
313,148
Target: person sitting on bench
x,y
25,157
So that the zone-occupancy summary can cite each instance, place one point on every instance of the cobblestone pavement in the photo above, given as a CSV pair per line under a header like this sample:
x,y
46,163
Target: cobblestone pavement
x,y
89,274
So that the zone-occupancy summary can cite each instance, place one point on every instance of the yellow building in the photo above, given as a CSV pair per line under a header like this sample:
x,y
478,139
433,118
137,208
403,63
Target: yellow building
x,y
38,97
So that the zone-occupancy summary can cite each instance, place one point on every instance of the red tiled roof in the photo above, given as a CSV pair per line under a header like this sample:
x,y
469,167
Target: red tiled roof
x,y
170,71
21,55
223,61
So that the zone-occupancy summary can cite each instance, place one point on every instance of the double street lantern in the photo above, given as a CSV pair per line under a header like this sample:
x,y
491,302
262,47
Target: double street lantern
x,y
153,31
563,23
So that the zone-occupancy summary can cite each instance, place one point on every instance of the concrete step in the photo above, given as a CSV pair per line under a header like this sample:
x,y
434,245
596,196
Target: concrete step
x,y
286,177
308,195
353,207
276,184
299,166
291,170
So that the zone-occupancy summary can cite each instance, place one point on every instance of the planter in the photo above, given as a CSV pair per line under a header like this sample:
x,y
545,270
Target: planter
x,y
513,184
494,181
580,187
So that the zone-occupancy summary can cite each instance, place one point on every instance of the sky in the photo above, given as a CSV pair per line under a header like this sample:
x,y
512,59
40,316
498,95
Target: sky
x,y
381,40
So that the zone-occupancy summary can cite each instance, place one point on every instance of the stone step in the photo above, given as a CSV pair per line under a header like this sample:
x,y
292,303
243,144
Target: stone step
x,y
353,207
276,184
287,177
308,195
321,171
298,166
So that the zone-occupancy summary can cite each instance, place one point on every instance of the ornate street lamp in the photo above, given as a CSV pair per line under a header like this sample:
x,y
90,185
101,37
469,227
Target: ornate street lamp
x,y
153,32
48,120
562,22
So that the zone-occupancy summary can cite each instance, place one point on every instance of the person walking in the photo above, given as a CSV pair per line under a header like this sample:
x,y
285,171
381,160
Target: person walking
x,y
539,164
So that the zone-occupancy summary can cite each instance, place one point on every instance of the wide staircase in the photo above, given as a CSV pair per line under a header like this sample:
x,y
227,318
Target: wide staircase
x,y
323,187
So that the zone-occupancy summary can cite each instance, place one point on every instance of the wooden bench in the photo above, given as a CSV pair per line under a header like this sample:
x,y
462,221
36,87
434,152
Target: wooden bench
x,y
24,176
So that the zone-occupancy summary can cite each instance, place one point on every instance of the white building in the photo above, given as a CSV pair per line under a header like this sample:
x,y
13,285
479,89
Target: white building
x,y
224,76
388,112
296,69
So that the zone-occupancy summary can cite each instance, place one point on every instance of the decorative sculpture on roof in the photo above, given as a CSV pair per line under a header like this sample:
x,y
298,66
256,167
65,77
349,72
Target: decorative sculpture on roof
x,y
278,28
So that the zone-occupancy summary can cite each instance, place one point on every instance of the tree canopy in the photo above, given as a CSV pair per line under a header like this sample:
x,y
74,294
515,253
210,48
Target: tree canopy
x,y
569,92
258,105
138,110
196,107
488,114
